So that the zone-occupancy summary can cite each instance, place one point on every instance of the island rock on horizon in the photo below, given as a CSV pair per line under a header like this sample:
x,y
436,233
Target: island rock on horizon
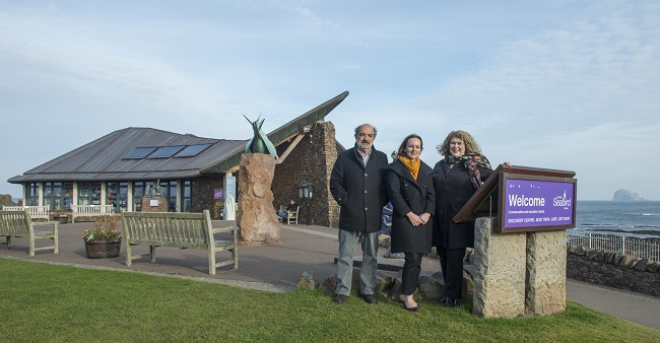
x,y
626,195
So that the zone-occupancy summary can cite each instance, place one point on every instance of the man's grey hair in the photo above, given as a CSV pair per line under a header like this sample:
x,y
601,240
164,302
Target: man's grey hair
x,y
357,129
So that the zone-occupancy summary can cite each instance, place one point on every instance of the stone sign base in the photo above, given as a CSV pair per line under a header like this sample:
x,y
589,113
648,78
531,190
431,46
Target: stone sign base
x,y
518,274
499,272
546,272
256,215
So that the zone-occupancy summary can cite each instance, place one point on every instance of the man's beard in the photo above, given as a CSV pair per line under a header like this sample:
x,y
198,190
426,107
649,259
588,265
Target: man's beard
x,y
365,145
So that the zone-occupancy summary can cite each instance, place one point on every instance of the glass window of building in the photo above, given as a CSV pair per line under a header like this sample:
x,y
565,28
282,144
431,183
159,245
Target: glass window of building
x,y
117,195
48,194
89,193
186,198
54,196
67,191
169,192
32,194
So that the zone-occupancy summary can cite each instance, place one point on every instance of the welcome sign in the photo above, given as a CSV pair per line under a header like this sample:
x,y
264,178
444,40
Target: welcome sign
x,y
532,205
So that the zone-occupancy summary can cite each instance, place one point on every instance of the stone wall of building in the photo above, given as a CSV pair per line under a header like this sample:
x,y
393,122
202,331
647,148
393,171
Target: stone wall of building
x,y
202,190
613,270
328,205
312,160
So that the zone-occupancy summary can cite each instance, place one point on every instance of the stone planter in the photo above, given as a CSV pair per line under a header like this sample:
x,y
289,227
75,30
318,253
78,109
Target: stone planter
x,y
62,219
103,249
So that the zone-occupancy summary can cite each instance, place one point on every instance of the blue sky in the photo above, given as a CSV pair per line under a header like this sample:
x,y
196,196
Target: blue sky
x,y
560,84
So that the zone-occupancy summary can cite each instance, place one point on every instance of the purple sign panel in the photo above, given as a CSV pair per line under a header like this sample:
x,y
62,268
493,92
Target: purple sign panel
x,y
538,203
217,193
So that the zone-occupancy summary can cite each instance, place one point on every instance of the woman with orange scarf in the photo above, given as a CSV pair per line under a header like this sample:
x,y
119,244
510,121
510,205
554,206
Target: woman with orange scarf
x,y
409,186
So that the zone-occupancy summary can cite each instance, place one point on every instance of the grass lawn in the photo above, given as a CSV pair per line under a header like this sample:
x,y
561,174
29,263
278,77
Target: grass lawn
x,y
51,303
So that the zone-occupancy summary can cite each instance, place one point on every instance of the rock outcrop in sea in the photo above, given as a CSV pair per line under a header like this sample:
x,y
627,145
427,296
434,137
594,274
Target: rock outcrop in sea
x,y
626,195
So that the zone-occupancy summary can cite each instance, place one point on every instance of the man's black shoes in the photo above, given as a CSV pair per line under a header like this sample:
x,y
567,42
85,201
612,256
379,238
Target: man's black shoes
x,y
369,298
340,298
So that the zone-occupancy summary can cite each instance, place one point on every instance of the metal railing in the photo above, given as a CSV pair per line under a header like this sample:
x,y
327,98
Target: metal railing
x,y
638,247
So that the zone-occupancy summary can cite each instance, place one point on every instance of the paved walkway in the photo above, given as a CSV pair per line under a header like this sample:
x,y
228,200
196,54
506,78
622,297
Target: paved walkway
x,y
278,268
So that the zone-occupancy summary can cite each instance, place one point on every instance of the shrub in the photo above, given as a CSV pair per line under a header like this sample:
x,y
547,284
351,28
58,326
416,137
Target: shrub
x,y
106,229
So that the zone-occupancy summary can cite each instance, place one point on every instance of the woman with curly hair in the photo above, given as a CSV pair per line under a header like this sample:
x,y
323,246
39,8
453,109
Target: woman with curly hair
x,y
456,178
409,186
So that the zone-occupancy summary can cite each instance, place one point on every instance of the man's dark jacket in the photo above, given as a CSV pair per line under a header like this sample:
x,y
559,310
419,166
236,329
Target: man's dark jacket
x,y
359,190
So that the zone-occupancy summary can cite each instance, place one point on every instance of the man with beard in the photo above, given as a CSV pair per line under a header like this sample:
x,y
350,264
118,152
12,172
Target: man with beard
x,y
356,185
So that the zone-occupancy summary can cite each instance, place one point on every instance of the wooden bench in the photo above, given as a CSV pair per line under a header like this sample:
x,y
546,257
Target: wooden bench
x,y
182,230
292,217
35,211
90,211
19,224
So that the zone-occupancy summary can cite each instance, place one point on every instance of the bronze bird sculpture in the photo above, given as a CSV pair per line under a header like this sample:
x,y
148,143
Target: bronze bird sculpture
x,y
260,143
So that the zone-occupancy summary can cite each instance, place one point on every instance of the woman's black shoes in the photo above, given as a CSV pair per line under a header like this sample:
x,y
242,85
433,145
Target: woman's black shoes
x,y
411,309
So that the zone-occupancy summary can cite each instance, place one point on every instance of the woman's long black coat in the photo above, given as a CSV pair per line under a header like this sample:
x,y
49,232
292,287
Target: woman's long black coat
x,y
407,195
452,190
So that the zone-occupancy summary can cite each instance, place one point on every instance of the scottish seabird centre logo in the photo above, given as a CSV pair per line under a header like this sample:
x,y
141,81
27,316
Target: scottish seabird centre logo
x,y
562,201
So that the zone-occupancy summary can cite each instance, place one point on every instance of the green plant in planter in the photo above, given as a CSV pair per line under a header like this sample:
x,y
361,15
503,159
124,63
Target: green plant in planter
x,y
106,228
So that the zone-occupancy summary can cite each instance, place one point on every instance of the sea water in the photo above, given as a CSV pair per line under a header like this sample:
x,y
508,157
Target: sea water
x,y
628,218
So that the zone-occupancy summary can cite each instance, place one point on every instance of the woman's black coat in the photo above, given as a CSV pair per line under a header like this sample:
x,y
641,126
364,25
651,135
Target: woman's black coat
x,y
407,195
452,190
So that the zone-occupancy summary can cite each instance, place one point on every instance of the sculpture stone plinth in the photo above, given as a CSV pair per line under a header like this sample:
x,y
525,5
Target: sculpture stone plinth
x,y
256,215
153,204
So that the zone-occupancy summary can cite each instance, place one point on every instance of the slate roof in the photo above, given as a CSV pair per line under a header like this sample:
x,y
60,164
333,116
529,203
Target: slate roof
x,y
102,159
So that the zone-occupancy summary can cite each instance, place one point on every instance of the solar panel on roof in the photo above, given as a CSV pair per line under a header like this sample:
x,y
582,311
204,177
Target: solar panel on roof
x,y
166,151
193,150
139,152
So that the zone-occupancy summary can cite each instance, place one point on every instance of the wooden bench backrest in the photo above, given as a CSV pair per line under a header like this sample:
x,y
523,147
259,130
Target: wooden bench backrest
x,y
167,228
15,223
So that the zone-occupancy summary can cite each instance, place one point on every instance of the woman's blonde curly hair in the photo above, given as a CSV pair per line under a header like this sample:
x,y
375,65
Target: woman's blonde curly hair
x,y
471,146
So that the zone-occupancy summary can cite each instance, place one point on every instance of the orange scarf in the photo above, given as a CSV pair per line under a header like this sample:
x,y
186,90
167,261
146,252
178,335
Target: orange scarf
x,y
412,165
